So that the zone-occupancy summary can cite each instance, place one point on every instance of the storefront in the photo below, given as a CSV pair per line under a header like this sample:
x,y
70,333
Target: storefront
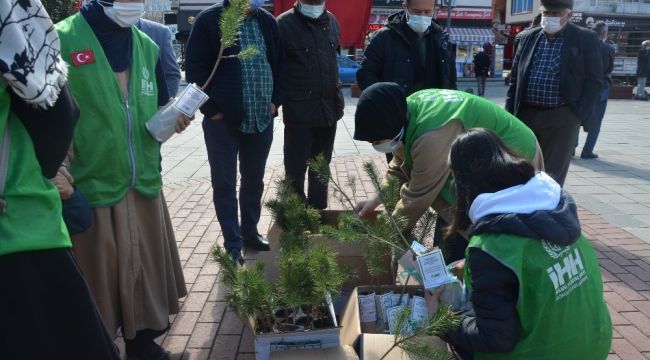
x,y
626,33
471,29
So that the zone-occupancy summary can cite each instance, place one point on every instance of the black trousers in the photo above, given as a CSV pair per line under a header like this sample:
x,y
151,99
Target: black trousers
x,y
47,311
300,145
556,131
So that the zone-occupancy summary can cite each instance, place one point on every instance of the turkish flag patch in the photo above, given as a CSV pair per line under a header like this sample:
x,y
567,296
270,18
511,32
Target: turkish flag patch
x,y
83,57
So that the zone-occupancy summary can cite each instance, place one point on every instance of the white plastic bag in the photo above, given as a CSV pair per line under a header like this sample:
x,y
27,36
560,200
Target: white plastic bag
x,y
163,124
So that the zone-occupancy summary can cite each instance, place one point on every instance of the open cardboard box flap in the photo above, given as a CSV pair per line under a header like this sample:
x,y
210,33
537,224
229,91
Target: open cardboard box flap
x,y
338,353
374,346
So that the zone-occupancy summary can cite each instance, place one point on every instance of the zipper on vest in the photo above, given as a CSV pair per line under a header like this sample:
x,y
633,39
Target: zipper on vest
x,y
129,123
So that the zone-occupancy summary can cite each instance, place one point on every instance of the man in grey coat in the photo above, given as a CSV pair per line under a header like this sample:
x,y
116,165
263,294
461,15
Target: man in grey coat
x,y
161,35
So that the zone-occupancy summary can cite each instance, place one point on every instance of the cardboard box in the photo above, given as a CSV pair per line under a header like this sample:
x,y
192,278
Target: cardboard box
x,y
269,346
311,342
373,346
318,344
349,255
339,353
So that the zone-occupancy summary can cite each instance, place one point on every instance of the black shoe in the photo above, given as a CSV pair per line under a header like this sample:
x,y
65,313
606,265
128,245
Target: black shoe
x,y
145,350
573,153
589,156
256,242
235,255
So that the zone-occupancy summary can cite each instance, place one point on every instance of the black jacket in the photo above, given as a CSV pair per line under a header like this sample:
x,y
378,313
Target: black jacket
x,y
312,94
225,90
51,130
643,63
391,56
491,326
481,64
581,71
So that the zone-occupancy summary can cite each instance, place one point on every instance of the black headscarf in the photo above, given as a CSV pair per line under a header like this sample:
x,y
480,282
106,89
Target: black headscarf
x,y
115,40
381,112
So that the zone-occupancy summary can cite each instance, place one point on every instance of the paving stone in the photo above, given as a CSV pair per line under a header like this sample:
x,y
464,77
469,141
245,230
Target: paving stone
x,y
611,266
184,323
247,341
634,282
204,283
191,274
225,347
625,350
218,292
639,320
195,301
643,306
231,324
242,356
617,318
203,335
196,354
213,311
632,334
175,345
618,303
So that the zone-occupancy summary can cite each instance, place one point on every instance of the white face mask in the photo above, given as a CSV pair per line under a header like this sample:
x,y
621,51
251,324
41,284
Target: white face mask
x,y
551,25
312,11
124,14
390,146
418,23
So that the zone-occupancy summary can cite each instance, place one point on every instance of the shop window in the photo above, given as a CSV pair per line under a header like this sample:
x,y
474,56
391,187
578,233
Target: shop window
x,y
522,6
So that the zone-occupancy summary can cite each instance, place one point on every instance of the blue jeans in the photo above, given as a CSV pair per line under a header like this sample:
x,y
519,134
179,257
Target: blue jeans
x,y
225,143
599,114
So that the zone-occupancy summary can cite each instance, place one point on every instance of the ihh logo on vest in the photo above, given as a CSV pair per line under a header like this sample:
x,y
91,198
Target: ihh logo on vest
x,y
147,86
568,274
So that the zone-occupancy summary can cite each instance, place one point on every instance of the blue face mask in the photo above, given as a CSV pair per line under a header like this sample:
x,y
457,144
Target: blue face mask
x,y
256,4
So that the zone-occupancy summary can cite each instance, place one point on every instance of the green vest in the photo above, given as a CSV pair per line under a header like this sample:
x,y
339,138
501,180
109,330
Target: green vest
x,y
113,150
33,219
433,108
562,313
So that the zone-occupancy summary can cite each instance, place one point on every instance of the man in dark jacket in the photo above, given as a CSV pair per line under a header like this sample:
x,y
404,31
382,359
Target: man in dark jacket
x,y
412,50
313,102
556,78
642,70
238,117
607,53
481,69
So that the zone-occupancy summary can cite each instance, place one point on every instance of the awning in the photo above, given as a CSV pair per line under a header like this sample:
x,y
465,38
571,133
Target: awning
x,y
471,36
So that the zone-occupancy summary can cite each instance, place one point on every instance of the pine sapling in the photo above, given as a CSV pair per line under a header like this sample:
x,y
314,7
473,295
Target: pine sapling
x,y
412,338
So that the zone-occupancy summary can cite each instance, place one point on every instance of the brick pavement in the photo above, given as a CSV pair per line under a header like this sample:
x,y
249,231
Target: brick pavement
x,y
206,329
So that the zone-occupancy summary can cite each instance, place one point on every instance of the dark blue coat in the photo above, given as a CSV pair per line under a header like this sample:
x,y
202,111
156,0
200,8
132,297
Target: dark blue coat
x,y
225,90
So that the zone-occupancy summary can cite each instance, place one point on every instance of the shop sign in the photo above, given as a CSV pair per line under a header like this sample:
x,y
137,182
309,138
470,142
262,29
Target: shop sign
x,y
383,11
588,21
465,14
